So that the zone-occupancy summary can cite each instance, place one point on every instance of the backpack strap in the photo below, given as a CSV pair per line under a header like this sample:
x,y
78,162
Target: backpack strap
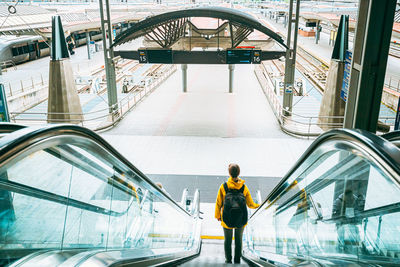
x,y
226,188
241,190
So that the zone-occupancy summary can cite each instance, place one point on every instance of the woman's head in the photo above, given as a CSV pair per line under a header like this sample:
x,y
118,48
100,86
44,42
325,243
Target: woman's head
x,y
234,170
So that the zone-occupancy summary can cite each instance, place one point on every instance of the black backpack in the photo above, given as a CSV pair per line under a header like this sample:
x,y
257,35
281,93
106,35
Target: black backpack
x,y
235,210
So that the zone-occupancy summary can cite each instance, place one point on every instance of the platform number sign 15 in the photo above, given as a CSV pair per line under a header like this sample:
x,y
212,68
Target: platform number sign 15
x,y
143,56
256,57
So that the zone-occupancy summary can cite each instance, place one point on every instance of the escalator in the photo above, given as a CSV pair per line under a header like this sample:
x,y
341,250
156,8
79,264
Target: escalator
x,y
338,206
68,198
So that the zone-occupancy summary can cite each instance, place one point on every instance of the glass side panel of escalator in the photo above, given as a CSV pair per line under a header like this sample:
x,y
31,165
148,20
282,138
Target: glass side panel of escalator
x,y
341,206
65,194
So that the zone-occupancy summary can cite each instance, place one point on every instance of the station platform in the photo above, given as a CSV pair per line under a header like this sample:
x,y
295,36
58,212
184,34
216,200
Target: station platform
x,y
207,125
189,139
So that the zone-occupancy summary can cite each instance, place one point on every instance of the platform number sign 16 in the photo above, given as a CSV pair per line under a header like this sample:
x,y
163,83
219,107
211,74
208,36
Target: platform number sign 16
x,y
142,56
256,57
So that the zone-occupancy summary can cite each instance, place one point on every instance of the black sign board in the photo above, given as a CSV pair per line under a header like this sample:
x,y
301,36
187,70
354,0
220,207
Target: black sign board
x,y
156,56
238,56
311,24
243,56
230,56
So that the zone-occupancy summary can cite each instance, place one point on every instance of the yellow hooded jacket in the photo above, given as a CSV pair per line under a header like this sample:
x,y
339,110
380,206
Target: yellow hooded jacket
x,y
221,196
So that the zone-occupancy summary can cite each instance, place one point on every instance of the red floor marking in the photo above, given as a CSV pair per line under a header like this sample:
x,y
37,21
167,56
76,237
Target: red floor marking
x,y
168,118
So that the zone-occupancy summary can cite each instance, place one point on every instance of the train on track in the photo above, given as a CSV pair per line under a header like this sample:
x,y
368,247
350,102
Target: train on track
x,y
15,50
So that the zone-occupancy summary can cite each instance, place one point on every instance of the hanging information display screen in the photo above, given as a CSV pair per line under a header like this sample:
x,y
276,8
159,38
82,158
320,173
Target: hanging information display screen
x,y
4,117
243,56
163,56
238,56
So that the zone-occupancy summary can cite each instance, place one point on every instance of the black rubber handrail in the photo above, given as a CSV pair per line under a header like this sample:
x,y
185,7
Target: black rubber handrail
x,y
7,127
20,140
392,136
383,149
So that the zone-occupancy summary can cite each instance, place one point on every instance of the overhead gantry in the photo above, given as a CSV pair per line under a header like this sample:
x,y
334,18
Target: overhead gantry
x,y
176,31
177,37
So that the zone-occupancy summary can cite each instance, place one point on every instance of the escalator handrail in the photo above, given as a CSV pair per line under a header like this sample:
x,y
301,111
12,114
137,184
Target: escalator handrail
x,y
385,150
7,127
378,211
392,136
39,193
20,140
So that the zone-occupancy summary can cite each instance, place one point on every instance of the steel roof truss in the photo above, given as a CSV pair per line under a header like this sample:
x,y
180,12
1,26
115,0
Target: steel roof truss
x,y
240,35
166,34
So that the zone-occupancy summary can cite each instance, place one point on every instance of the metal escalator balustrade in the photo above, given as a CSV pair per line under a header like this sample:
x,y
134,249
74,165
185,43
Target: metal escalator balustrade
x,y
393,137
339,205
68,198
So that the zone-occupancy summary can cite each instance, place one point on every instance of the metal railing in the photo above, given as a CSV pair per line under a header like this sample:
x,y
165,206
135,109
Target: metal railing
x,y
100,119
301,125
7,64
393,83
16,87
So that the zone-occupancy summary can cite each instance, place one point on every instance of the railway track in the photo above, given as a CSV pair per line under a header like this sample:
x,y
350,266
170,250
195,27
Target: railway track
x,y
312,68
316,73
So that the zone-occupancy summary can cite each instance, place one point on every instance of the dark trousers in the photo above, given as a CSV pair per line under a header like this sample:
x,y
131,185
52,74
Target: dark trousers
x,y
228,243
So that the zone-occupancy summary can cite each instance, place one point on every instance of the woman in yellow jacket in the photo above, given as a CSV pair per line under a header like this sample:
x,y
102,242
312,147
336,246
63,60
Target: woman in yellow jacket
x,y
234,182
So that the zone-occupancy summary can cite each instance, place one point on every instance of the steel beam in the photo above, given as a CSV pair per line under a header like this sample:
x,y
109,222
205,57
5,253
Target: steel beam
x,y
168,33
290,63
231,34
106,28
200,57
317,33
88,45
371,48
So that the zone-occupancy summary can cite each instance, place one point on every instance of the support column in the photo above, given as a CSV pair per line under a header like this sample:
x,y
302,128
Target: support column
x,y
290,63
231,72
106,28
332,107
371,48
317,34
88,45
63,102
184,77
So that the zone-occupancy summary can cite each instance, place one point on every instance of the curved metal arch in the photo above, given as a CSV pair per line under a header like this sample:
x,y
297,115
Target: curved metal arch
x,y
234,16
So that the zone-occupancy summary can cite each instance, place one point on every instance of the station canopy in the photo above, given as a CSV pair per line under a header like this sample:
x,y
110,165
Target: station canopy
x,y
167,28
